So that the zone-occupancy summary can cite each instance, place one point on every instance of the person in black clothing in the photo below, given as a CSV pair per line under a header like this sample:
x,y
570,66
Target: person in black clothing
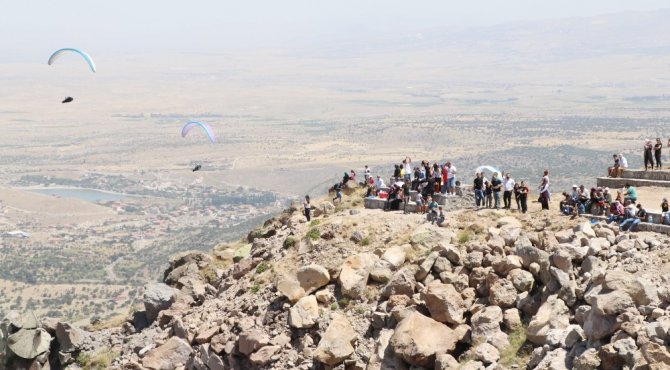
x,y
648,158
430,186
523,196
657,153
478,185
416,181
396,171
516,196
496,186
405,194
488,193
308,208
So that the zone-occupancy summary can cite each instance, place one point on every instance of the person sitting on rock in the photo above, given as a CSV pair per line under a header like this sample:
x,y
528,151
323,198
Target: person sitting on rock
x,y
432,209
623,162
616,212
440,217
607,195
630,194
567,205
631,218
575,193
614,170
665,212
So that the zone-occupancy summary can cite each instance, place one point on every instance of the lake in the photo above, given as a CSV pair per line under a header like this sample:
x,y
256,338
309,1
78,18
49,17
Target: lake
x,y
89,195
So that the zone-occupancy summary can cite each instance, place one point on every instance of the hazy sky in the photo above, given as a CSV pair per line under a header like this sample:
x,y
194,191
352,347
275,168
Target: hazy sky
x,y
29,27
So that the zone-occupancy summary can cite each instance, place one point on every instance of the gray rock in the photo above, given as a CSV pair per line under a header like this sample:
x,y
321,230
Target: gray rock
x,y
502,293
522,280
158,297
553,314
70,338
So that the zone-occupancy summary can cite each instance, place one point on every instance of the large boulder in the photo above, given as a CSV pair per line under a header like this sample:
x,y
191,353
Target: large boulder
x,y
486,322
417,339
291,289
395,256
305,313
510,233
530,255
324,208
70,338
336,345
312,277
522,280
588,360
597,326
252,340
158,297
444,302
187,263
553,314
430,236
383,357
402,282
172,354
554,360
612,303
502,293
657,355
639,289
354,274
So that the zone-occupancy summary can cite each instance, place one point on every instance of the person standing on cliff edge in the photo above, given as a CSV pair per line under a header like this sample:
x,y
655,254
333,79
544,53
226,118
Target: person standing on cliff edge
x,y
308,208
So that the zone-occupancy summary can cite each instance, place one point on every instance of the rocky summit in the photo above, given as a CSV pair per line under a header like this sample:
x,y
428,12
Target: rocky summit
x,y
365,289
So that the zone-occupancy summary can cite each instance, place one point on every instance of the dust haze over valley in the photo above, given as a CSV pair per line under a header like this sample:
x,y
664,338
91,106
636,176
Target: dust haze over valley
x,y
562,94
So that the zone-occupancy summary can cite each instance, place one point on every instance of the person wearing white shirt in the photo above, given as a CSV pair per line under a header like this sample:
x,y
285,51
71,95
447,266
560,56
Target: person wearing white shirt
x,y
380,183
623,161
508,185
367,175
451,179
407,163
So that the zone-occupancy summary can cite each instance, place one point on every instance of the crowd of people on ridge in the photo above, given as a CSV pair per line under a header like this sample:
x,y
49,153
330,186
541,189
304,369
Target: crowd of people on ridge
x,y
420,184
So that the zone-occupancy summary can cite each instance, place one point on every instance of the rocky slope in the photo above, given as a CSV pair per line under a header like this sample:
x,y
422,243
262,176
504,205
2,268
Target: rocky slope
x,y
364,289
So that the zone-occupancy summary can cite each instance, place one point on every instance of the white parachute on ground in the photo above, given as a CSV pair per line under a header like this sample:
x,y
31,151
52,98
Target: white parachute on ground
x,y
489,169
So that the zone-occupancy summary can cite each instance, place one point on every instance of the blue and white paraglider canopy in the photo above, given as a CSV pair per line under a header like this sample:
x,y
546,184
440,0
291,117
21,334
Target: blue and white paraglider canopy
x,y
57,54
490,169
